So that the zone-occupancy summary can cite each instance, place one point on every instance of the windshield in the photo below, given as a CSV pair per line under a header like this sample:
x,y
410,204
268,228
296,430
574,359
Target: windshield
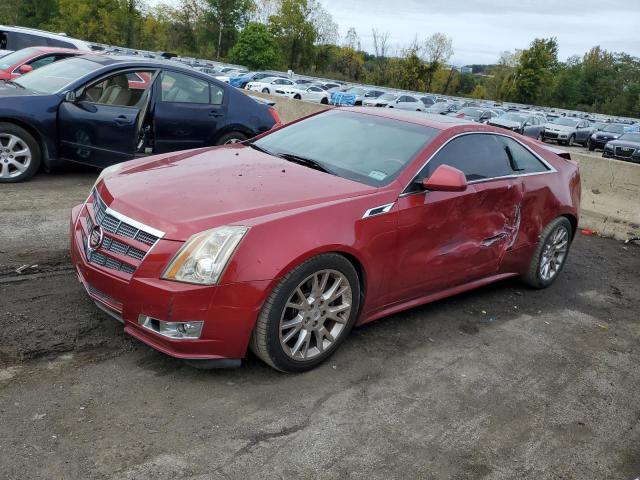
x,y
614,128
58,75
356,91
365,148
388,96
567,122
514,117
631,137
16,57
474,113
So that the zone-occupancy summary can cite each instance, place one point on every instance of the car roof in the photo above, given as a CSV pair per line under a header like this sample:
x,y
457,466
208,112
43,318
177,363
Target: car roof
x,y
440,122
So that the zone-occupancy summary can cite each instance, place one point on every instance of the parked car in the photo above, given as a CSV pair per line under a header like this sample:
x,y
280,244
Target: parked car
x,y
17,38
475,114
310,93
626,147
241,81
229,74
28,59
100,110
441,108
336,220
521,122
381,101
612,131
428,101
270,84
354,96
407,102
4,53
567,131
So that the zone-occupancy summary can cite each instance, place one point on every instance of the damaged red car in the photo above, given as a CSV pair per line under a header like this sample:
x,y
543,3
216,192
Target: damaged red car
x,y
283,243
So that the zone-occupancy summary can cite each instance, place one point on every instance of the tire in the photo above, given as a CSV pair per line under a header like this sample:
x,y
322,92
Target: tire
x,y
590,145
231,137
572,139
294,348
540,137
297,97
535,275
17,168
324,101
265,90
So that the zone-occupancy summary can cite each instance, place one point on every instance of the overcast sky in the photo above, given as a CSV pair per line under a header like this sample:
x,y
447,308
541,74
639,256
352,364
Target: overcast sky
x,y
481,29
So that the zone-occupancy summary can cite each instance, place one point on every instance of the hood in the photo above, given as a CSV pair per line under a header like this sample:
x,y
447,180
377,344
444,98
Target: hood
x,y
552,127
624,143
607,135
503,122
188,192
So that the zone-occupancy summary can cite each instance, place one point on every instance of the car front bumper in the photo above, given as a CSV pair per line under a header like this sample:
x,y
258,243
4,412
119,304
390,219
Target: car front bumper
x,y
558,136
228,312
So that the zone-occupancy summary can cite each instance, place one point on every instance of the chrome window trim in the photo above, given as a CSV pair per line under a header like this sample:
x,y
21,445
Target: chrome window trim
x,y
383,209
551,169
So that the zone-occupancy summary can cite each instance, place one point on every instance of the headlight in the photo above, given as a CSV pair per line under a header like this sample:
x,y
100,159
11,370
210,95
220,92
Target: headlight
x,y
108,171
203,258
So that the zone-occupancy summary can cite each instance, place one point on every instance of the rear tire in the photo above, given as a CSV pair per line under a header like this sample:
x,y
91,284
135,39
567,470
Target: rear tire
x,y
550,255
297,97
20,154
296,330
231,137
324,101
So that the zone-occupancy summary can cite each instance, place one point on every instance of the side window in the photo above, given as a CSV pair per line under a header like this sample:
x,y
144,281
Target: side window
x,y
19,40
410,99
522,159
315,89
46,60
217,94
121,89
479,156
181,88
54,42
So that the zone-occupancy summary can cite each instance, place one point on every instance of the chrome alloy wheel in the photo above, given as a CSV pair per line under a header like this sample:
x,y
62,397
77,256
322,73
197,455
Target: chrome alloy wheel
x,y
315,314
233,140
554,253
15,155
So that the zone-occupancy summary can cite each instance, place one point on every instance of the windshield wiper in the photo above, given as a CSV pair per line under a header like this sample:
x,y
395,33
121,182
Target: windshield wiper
x,y
259,148
308,162
11,82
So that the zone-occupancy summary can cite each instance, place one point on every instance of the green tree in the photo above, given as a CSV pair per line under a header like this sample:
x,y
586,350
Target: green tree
x,y
535,70
255,48
294,33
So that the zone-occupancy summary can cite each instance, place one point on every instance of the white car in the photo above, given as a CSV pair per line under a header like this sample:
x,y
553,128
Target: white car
x,y
270,85
407,102
230,74
381,101
309,93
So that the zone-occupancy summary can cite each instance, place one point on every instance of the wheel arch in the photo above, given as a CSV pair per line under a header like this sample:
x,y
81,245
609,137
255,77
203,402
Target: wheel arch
x,y
233,128
573,220
35,133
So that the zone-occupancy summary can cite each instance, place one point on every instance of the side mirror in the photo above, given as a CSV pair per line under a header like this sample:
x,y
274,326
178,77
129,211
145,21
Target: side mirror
x,y
70,97
446,179
25,69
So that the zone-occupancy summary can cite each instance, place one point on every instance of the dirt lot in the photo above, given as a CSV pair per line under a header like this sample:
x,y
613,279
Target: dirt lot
x,y
500,383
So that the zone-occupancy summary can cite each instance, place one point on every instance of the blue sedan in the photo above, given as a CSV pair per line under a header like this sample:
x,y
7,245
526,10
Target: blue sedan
x,y
101,110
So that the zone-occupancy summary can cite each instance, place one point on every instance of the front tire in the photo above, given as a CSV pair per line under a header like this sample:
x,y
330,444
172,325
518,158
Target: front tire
x,y
265,90
590,145
572,139
550,254
308,314
324,101
231,137
20,154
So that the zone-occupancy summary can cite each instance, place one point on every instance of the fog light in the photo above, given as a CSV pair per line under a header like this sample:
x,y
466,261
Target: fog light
x,y
176,330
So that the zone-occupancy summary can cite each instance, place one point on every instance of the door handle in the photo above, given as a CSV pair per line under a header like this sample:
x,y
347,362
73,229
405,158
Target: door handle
x,y
216,114
122,120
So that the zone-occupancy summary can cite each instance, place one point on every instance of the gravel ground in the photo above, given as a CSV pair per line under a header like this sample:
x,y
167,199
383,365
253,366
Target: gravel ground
x,y
500,383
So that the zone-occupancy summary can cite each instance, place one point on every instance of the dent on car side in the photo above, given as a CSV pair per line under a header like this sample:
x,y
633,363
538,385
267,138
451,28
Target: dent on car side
x,y
321,213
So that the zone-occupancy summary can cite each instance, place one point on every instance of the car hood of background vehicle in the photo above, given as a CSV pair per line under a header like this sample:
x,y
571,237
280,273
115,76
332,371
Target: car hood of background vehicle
x,y
558,128
188,192
624,143
502,122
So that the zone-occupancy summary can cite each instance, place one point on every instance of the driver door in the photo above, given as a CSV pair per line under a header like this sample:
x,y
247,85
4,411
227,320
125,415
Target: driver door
x,y
101,127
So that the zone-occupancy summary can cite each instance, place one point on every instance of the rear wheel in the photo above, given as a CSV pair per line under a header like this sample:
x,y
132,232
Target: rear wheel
x,y
19,154
231,137
550,254
325,101
297,97
308,314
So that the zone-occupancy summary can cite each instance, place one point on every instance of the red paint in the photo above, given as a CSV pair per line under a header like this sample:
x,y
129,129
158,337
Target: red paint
x,y
432,244
15,70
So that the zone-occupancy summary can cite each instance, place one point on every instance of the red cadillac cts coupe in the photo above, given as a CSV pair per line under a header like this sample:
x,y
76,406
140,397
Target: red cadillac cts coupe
x,y
283,243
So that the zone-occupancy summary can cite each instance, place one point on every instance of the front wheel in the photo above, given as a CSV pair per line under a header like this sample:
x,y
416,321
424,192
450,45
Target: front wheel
x,y
590,145
19,154
550,254
231,137
324,101
308,314
572,139
265,90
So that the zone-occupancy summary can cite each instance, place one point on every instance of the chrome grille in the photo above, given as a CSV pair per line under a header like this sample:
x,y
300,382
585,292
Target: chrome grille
x,y
620,152
117,238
